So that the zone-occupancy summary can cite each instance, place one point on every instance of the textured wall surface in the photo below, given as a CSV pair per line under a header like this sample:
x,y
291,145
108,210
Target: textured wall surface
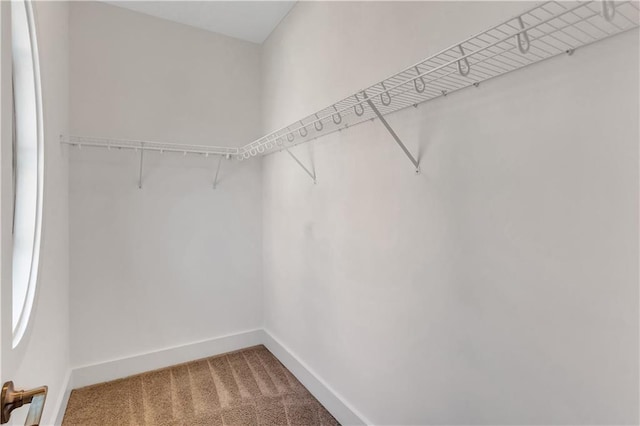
x,y
175,262
500,286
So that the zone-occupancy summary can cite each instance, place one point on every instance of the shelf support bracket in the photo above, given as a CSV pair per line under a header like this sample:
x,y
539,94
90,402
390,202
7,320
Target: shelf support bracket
x,y
415,162
311,175
141,163
215,179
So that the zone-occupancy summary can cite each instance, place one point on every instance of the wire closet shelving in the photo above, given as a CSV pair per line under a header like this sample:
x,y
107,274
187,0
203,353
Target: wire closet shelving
x,y
140,145
542,32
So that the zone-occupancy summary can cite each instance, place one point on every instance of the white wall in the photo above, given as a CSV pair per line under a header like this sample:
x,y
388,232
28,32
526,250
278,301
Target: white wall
x,y
42,357
497,287
176,262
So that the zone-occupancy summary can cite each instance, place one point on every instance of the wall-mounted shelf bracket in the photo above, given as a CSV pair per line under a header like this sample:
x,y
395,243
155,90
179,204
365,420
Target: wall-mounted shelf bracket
x,y
215,179
415,162
141,163
311,175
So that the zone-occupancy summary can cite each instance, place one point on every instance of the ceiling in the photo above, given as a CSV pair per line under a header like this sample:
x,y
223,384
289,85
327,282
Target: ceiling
x,y
247,20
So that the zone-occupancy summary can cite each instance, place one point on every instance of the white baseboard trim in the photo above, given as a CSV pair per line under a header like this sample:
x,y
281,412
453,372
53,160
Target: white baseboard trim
x,y
63,399
332,401
124,367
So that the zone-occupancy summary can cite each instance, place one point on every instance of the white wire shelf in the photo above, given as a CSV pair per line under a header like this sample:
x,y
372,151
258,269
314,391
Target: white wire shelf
x,y
542,32
139,145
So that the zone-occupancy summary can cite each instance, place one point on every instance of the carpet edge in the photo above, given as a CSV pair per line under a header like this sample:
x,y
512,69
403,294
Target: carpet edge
x,y
336,404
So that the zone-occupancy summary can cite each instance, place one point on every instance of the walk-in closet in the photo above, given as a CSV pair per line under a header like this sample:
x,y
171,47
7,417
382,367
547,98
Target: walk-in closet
x,y
325,213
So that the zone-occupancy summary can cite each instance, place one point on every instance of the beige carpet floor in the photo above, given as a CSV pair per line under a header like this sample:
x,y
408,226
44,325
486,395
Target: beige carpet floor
x,y
247,387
